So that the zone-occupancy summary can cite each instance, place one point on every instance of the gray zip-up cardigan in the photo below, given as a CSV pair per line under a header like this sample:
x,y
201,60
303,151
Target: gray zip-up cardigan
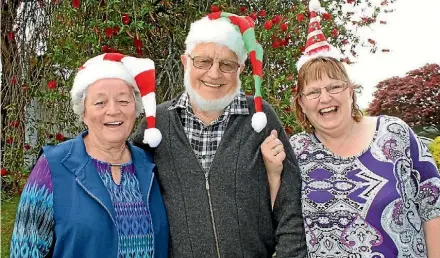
x,y
233,216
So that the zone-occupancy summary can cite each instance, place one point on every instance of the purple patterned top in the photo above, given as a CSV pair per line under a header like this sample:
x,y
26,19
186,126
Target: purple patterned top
x,y
373,204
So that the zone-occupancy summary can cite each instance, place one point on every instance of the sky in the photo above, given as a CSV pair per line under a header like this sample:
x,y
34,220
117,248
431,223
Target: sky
x,y
412,34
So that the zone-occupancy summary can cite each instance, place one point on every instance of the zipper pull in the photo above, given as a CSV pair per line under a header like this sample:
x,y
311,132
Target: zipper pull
x,y
207,184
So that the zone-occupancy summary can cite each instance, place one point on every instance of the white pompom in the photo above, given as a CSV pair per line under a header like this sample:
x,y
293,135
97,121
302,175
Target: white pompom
x,y
152,137
314,5
259,121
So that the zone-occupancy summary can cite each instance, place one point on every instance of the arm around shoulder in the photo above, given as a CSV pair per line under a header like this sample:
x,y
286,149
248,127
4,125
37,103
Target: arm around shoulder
x,y
289,231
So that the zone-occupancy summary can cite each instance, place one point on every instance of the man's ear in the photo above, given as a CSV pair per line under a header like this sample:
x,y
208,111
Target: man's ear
x,y
242,67
183,59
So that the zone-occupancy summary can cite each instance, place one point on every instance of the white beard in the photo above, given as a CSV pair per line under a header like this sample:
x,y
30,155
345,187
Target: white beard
x,y
209,105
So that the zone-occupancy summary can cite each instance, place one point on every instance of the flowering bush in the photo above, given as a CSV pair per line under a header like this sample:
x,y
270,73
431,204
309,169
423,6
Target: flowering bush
x,y
45,41
435,150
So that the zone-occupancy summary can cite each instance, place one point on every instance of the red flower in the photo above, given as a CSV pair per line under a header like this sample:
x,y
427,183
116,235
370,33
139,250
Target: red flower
x,y
109,32
116,30
253,16
4,171
262,13
276,19
14,80
268,25
300,17
27,146
372,41
52,85
327,16
14,123
242,9
215,8
335,33
9,140
137,42
139,51
302,49
104,49
284,26
76,3
11,35
350,1
59,137
277,43
125,19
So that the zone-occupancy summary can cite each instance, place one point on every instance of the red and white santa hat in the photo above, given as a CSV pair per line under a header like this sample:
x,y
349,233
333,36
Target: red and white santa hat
x,y
316,45
137,72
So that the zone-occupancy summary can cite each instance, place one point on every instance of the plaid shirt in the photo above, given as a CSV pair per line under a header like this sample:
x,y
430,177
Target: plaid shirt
x,y
206,139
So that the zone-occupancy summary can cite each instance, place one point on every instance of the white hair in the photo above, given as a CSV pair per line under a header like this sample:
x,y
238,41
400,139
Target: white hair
x,y
219,31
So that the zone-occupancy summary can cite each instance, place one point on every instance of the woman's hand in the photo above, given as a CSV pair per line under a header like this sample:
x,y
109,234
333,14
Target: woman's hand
x,y
432,237
273,153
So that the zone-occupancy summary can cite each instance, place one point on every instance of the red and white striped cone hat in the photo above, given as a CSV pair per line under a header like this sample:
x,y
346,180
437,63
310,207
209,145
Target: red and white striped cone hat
x,y
316,45
137,72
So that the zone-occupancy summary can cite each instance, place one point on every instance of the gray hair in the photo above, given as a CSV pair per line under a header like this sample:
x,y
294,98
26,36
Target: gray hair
x,y
79,98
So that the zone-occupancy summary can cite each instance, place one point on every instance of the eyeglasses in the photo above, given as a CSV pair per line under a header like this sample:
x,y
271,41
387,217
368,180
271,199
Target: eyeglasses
x,y
333,88
205,63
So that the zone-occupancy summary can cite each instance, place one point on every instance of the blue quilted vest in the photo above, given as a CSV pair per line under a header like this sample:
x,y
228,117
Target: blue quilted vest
x,y
83,211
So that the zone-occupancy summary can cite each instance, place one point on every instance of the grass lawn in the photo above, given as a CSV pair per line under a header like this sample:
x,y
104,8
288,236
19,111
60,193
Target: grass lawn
x,y
8,209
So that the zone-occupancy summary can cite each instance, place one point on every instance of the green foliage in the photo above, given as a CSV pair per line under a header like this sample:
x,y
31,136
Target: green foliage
x,y
435,150
8,210
38,67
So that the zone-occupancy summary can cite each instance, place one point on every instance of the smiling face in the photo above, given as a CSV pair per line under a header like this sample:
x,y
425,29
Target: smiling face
x,y
211,89
109,111
328,112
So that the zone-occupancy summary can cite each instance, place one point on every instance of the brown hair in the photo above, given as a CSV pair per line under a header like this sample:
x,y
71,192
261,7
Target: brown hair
x,y
313,70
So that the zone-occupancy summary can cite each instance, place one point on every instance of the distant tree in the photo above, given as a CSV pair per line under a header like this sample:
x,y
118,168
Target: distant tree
x,y
414,98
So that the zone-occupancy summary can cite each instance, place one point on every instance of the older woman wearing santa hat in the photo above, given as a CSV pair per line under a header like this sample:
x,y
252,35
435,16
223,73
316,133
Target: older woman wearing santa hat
x,y
96,195
370,186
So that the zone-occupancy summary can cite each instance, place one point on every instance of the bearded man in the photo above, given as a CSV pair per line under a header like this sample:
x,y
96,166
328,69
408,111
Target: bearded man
x,y
209,164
